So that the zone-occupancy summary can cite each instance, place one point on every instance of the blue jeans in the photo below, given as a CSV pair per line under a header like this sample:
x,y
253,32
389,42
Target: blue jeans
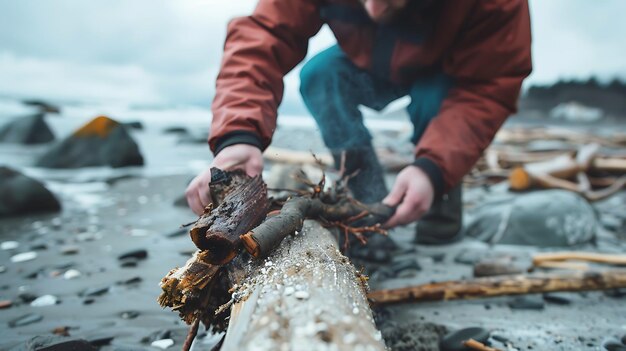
x,y
332,88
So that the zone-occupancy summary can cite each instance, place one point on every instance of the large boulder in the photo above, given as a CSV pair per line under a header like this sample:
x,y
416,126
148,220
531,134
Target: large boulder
x,y
101,142
20,194
27,130
550,218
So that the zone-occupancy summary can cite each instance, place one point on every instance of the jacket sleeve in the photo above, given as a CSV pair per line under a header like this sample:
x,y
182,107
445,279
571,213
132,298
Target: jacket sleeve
x,y
259,50
488,62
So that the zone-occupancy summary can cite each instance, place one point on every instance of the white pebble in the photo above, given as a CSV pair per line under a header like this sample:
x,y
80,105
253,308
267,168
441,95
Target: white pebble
x,y
349,338
45,300
268,264
289,290
163,343
302,295
71,274
9,245
24,256
355,310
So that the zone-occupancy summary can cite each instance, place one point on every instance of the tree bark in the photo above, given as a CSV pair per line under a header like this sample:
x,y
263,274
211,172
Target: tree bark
x,y
307,296
502,285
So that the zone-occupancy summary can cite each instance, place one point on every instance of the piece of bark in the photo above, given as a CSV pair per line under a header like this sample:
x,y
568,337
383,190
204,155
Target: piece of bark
x,y
305,295
261,240
242,208
502,285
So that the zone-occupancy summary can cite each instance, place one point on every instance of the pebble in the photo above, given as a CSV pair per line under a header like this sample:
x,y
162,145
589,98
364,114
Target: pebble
x,y
301,295
129,314
615,293
157,335
454,341
131,281
129,262
612,344
24,256
96,291
45,300
527,303
27,297
70,250
71,274
163,343
25,320
3,269
100,340
5,304
289,290
137,254
624,339
176,233
58,343
556,298
9,245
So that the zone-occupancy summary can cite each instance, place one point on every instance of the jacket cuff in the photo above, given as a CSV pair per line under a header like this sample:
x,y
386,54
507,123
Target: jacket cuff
x,y
237,137
433,172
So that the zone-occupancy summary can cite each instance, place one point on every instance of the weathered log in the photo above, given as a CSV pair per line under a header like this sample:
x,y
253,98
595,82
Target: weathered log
x,y
243,207
261,240
596,257
502,285
306,295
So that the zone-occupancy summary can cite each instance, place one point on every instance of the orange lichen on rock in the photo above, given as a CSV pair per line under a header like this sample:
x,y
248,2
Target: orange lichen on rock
x,y
100,126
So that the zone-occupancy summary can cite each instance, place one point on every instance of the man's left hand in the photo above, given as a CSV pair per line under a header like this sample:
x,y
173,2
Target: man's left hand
x,y
413,195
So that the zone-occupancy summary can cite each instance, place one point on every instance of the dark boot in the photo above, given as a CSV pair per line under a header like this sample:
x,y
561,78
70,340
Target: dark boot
x,y
443,223
367,186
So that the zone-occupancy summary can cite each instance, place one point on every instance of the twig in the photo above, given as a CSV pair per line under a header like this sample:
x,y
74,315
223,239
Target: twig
x,y
193,331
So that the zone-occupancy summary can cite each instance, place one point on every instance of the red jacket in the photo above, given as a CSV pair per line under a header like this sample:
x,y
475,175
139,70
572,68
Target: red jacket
x,y
484,45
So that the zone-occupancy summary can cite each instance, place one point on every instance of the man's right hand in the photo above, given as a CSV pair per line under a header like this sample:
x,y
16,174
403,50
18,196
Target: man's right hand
x,y
239,156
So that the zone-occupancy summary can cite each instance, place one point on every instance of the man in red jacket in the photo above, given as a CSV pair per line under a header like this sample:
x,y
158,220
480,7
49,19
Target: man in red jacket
x,y
461,62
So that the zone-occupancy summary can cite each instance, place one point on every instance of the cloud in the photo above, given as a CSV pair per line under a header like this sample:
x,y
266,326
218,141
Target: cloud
x,y
169,51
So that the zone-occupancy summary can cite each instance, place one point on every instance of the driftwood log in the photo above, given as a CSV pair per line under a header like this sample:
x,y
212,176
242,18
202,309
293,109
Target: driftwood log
x,y
243,206
306,295
502,285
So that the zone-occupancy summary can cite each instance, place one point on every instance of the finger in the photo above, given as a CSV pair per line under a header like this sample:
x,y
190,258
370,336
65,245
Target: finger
x,y
396,194
205,197
401,216
194,202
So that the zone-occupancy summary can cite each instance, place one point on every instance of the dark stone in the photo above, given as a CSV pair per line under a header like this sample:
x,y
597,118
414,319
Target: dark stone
x,y
129,314
43,106
39,247
612,344
25,320
175,130
134,125
624,339
454,340
556,298
131,281
88,301
157,335
529,302
100,339
139,254
21,195
130,262
27,297
27,130
412,336
181,202
101,142
58,343
616,293
402,266
95,291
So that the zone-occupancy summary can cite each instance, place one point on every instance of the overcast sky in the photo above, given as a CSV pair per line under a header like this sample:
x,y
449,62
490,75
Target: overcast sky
x,y
163,52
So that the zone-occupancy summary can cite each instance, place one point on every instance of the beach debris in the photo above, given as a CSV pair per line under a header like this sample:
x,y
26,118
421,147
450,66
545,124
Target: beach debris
x,y
27,130
163,343
24,256
108,142
44,300
454,340
25,320
503,285
20,194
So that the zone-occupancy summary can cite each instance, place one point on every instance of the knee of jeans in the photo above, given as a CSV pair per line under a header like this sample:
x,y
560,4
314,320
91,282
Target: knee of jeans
x,y
319,76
